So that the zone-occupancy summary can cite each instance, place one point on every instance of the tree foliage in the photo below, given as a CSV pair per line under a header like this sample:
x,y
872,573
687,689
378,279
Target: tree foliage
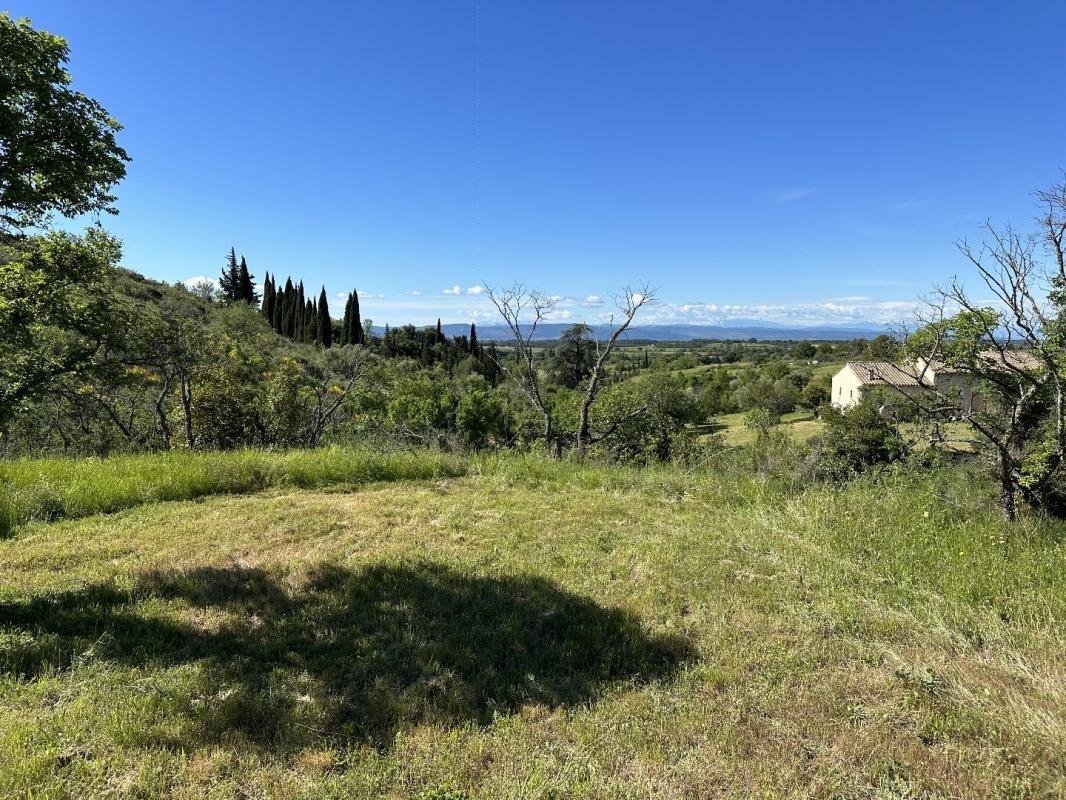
x,y
1013,351
58,311
58,151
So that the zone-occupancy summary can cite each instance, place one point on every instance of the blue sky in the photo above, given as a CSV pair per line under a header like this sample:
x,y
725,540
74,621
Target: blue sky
x,y
796,162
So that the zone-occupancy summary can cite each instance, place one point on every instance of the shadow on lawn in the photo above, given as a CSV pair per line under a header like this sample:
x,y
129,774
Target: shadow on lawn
x,y
348,655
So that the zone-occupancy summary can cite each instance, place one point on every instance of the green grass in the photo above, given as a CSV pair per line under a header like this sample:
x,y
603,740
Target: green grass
x,y
539,630
800,425
57,488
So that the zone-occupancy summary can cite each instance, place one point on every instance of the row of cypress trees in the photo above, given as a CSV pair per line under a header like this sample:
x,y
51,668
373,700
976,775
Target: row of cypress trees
x,y
288,311
352,325
302,319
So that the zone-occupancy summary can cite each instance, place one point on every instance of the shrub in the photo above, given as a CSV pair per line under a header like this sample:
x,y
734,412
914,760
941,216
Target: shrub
x,y
853,442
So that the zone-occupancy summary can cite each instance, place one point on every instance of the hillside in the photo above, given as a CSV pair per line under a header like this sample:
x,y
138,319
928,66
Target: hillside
x,y
516,628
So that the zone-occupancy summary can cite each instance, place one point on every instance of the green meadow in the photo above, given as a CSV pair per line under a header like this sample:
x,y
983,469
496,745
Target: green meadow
x,y
338,624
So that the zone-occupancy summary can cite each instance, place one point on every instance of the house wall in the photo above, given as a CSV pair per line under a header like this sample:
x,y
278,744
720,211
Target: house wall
x,y
958,388
846,389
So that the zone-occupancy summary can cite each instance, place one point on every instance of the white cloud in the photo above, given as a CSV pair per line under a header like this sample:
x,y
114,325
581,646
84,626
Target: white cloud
x,y
197,280
414,293
454,290
592,301
788,195
475,290
341,295
836,311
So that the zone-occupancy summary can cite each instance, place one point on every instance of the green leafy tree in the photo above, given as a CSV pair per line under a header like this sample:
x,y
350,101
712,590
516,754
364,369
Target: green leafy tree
x,y
58,151
816,393
855,441
884,347
1013,354
58,311
574,356
481,416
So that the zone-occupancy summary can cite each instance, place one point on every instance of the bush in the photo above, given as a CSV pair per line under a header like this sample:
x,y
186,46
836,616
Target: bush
x,y
853,442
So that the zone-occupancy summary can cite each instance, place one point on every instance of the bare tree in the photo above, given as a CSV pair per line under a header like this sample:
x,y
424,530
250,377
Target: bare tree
x,y
336,377
629,304
1012,349
523,309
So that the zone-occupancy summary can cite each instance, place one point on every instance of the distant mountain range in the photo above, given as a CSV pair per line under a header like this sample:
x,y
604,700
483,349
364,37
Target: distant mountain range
x,y
735,329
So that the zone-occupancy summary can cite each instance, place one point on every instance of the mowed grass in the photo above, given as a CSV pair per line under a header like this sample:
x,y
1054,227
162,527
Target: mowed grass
x,y
538,630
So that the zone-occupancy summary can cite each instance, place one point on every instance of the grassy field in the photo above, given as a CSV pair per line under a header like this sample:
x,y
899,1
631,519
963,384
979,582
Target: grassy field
x,y
65,488
800,425
517,629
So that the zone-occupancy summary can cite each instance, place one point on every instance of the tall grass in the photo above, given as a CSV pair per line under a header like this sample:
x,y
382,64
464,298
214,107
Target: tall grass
x,y
55,488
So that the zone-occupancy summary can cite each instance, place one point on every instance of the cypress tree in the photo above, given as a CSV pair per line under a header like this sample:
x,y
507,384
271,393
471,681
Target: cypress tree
x,y
291,317
291,298
277,318
440,334
268,298
307,334
355,333
347,323
473,340
282,309
301,314
325,324
230,281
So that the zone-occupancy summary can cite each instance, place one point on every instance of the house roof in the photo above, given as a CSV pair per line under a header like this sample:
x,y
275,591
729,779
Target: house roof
x,y
1019,359
1016,359
872,373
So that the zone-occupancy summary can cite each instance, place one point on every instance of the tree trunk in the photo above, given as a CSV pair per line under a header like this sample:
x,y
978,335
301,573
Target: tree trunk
x,y
1007,501
584,436
161,413
186,407
549,438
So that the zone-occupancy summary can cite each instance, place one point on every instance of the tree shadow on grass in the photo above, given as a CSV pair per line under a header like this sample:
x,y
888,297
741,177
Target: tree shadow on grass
x,y
349,655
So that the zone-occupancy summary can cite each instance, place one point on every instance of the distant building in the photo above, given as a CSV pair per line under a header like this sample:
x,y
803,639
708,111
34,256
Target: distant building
x,y
857,377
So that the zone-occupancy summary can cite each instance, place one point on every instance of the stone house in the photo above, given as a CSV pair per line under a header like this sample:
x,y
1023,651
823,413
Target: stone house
x,y
856,377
